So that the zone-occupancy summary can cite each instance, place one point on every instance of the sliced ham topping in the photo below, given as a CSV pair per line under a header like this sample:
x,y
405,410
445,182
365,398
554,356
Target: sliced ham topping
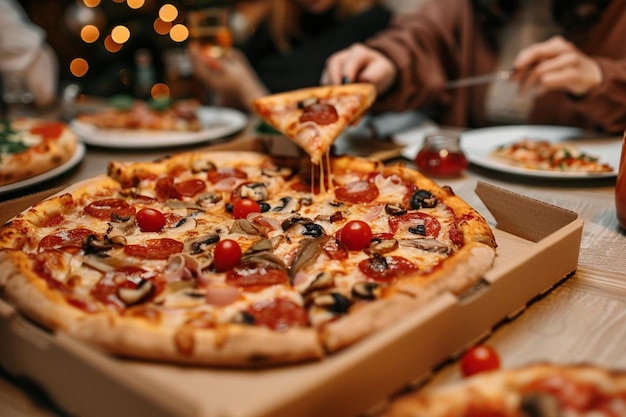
x,y
222,295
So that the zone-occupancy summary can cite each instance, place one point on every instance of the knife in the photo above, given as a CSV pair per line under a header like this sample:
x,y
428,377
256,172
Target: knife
x,y
480,79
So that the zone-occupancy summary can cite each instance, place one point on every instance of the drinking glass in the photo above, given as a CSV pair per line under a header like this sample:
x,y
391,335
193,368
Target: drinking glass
x,y
210,27
16,97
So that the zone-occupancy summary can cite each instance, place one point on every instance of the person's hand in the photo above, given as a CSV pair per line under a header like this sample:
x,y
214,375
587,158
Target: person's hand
x,y
230,77
556,65
359,63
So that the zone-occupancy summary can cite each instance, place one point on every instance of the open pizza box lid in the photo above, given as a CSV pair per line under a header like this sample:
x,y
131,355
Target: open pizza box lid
x,y
85,382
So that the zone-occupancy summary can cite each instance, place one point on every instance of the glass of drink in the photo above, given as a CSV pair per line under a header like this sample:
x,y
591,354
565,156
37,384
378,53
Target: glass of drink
x,y
620,188
210,28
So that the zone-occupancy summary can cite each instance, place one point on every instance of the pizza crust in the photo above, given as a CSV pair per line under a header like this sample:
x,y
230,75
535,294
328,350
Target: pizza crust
x,y
457,274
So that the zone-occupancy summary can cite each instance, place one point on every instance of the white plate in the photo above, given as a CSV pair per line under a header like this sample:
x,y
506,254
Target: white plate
x,y
478,144
216,123
79,154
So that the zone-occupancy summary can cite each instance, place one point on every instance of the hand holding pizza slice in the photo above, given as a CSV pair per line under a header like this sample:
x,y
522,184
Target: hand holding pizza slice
x,y
314,117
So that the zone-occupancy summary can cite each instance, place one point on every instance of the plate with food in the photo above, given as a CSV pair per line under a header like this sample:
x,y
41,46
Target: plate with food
x,y
35,150
543,151
142,125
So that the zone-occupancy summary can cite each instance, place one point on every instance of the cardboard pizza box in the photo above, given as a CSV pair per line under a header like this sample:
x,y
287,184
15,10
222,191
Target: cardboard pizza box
x,y
86,382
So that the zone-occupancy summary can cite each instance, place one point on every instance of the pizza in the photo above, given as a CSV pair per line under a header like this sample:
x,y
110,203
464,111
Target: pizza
x,y
550,156
238,259
314,117
178,116
536,390
30,146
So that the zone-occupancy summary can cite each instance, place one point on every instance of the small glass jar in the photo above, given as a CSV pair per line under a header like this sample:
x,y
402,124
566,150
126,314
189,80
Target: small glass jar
x,y
620,188
441,155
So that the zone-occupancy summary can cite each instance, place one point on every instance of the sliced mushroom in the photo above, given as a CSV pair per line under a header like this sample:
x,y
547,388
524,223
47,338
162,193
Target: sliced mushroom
x,y
307,102
538,404
329,218
382,246
423,199
200,244
243,317
132,296
121,227
332,301
245,227
312,229
321,281
178,204
256,191
93,244
186,224
262,252
365,290
294,220
310,249
287,205
202,165
429,245
394,209
208,198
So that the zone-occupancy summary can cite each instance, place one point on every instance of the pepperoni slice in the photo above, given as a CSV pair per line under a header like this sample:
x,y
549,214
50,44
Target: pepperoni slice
x,y
164,189
256,274
418,220
357,192
105,208
45,263
320,113
216,175
189,188
335,249
63,239
278,314
53,220
154,248
50,130
385,268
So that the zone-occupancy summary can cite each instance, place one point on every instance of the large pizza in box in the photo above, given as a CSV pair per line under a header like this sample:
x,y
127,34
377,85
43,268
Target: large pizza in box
x,y
234,258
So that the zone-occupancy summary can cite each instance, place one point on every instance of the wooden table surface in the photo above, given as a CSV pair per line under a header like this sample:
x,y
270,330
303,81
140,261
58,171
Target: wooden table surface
x,y
582,320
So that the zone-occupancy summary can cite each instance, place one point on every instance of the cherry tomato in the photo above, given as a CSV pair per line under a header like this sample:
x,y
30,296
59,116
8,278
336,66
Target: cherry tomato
x,y
227,255
356,235
150,220
479,358
245,206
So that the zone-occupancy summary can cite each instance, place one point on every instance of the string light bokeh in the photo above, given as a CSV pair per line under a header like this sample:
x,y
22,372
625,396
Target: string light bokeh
x,y
100,36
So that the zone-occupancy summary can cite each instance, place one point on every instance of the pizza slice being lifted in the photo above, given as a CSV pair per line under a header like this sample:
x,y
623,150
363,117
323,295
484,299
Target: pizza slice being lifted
x,y
314,117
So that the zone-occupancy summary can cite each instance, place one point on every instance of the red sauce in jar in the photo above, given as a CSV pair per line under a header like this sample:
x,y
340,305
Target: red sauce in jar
x,y
441,156
620,188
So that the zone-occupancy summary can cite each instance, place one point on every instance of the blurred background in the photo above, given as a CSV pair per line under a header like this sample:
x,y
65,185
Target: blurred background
x,y
118,46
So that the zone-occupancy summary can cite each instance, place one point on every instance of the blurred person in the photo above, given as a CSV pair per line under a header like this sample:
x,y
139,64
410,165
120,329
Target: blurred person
x,y
288,48
568,60
25,53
